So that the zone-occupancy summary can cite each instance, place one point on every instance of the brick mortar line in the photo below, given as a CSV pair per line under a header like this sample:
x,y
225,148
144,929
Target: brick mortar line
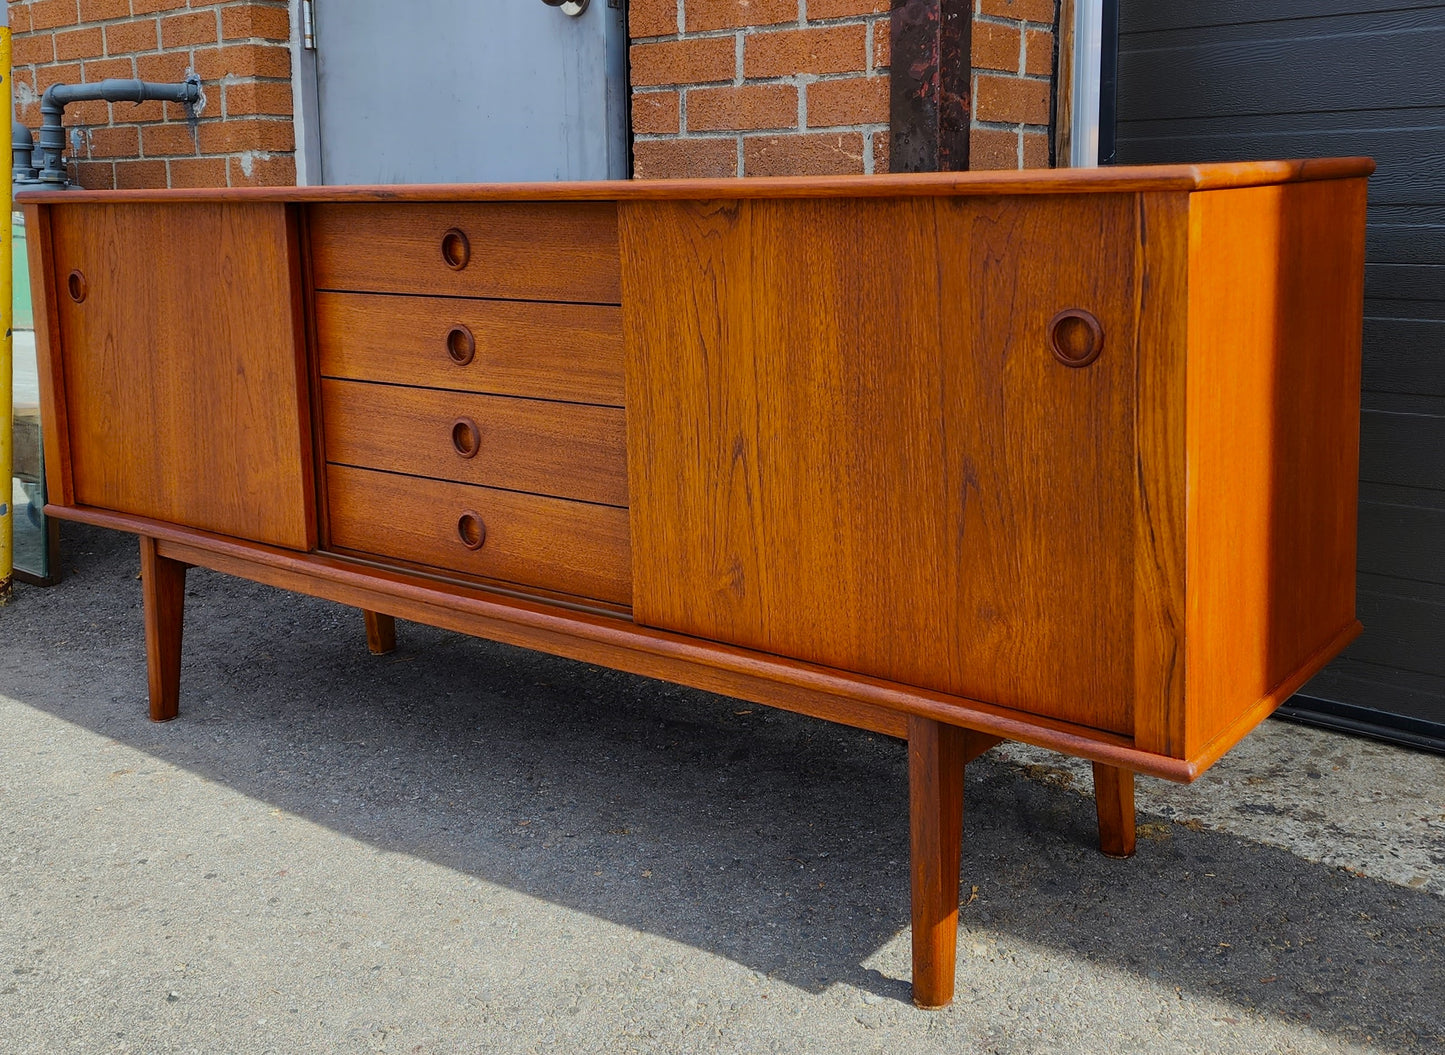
x,y
217,6
189,49
822,23
208,119
188,157
673,38
979,71
867,129
1004,20
247,77
748,133
794,79
650,137
1022,128
790,78
220,41
773,27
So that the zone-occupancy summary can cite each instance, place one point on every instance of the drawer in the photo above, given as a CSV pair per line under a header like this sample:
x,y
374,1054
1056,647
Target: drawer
x,y
515,348
567,450
564,251
529,540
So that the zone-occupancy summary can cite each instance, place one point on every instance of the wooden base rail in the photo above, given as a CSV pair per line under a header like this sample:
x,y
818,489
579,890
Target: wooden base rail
x,y
607,640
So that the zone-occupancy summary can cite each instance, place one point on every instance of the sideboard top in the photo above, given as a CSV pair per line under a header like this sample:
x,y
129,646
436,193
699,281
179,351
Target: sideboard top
x,y
1031,181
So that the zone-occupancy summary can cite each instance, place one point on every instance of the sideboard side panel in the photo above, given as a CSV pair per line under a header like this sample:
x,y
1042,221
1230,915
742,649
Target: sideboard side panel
x,y
1275,312
183,365
849,443
49,356
1160,350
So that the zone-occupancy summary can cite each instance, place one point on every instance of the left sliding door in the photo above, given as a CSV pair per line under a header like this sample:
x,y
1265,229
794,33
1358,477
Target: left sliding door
x,y
179,370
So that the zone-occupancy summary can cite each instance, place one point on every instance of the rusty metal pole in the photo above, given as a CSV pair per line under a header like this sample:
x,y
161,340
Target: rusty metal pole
x,y
930,85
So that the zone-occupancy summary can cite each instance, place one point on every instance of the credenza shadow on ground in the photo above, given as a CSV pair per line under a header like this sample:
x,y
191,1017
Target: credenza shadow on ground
x,y
773,840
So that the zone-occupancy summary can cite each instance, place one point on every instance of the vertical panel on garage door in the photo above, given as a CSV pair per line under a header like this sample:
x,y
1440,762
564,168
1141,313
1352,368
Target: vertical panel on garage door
x,y
1223,80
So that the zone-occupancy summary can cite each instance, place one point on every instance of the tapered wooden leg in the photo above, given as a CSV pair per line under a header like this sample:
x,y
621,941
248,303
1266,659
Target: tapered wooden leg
x,y
163,590
935,807
1114,800
380,633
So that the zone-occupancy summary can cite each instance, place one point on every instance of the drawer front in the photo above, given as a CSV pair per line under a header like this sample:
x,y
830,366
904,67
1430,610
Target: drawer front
x,y
564,251
566,450
528,540
514,348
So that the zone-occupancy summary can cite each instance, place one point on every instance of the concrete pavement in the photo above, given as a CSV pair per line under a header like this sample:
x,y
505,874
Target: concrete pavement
x,y
465,847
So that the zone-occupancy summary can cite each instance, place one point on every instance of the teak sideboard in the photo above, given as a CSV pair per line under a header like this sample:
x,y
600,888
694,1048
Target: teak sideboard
x,y
1061,457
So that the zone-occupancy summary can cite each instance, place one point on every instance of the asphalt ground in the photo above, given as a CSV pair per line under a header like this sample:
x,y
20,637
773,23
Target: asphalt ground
x,y
466,847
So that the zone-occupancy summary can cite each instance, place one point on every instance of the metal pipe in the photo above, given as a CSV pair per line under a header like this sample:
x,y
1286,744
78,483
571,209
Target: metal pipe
x,y
58,96
22,154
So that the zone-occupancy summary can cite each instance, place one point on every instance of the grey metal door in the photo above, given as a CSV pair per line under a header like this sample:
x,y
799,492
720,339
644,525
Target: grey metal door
x,y
1222,80
466,91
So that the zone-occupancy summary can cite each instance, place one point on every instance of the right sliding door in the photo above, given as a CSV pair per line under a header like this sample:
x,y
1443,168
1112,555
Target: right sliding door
x,y
852,441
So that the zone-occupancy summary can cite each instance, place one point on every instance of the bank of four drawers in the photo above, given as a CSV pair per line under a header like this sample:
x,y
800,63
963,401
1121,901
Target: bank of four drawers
x,y
471,390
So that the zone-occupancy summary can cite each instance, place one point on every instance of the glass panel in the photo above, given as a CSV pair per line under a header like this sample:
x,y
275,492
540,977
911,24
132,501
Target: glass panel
x,y
32,535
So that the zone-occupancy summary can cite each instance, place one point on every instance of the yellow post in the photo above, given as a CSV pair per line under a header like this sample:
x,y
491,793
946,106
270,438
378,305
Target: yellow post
x,y
7,317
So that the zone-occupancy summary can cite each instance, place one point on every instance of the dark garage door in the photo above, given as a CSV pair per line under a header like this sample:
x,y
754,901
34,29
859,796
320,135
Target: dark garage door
x,y
1222,80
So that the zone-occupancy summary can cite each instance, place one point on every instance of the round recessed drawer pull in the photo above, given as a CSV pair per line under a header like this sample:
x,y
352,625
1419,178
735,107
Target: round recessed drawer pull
x,y
1075,337
76,286
461,345
466,437
471,531
456,250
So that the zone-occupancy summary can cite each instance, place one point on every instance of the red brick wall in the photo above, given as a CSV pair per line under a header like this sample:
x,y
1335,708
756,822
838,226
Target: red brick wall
x,y
1013,81
720,87
753,87
786,87
238,48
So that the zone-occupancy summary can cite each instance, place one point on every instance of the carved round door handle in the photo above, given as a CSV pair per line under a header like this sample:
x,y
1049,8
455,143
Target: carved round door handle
x,y
76,286
471,531
461,345
466,437
1075,337
456,250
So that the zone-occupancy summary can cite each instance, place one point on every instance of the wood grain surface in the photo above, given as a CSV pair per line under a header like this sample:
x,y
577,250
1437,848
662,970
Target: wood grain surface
x,y
1276,302
49,356
185,390
849,442
1112,179
1114,805
380,633
870,488
936,755
611,639
163,601
1161,364
572,547
564,251
566,450
522,348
